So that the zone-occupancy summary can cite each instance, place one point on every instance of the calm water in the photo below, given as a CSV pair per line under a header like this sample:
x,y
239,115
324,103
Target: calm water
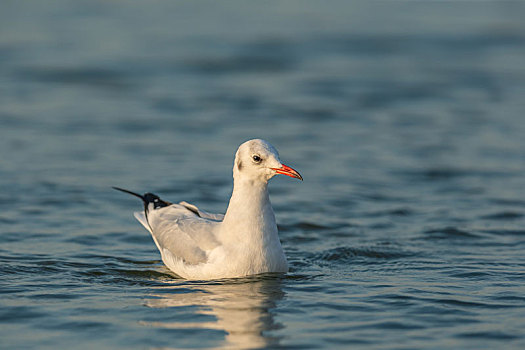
x,y
405,119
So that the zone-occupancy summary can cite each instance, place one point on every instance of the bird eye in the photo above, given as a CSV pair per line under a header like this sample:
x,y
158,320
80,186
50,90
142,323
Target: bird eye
x,y
256,158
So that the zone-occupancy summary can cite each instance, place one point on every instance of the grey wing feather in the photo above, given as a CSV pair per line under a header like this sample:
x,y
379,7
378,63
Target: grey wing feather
x,y
182,232
203,214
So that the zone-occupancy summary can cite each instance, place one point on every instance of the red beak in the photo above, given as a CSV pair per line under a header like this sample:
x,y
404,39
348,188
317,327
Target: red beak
x,y
286,170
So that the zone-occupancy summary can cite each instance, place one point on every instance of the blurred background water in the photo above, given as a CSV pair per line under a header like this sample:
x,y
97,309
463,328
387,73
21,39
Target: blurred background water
x,y
406,120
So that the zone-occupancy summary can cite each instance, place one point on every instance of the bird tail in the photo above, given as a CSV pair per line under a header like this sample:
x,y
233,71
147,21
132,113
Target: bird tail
x,y
141,217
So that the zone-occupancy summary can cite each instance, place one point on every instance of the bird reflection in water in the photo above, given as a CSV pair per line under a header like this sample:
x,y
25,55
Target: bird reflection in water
x,y
242,307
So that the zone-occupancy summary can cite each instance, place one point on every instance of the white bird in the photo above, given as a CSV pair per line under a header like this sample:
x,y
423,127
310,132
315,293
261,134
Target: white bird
x,y
198,245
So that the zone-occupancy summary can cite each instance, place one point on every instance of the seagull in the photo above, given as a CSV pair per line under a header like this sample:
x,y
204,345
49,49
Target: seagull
x,y
198,245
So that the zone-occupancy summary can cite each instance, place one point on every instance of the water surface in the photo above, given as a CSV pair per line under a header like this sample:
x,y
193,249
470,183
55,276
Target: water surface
x,y
405,119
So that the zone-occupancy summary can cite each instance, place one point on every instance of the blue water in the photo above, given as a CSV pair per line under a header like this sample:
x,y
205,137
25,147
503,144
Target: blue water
x,y
406,120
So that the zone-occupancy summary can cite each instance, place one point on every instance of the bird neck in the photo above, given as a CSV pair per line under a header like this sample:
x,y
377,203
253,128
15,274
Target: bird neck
x,y
249,214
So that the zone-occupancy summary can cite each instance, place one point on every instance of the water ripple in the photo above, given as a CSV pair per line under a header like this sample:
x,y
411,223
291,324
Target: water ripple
x,y
450,233
348,254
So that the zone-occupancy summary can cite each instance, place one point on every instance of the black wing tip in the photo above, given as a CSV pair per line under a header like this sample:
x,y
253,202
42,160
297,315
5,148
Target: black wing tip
x,y
129,192
147,198
157,202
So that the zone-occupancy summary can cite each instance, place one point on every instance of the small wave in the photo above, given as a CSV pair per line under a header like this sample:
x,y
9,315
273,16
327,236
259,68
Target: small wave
x,y
148,274
344,254
472,275
114,276
509,202
468,304
402,211
492,335
87,76
449,232
306,231
298,239
239,64
505,232
397,326
445,174
310,226
504,215
16,314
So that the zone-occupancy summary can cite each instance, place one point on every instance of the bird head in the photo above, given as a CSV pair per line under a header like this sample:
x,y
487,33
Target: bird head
x,y
258,160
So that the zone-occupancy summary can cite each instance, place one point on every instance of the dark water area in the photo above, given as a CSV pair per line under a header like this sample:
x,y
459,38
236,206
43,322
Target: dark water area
x,y
406,120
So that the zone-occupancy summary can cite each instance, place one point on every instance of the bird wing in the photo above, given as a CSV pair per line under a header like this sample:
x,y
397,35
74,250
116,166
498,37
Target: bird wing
x,y
181,232
202,213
